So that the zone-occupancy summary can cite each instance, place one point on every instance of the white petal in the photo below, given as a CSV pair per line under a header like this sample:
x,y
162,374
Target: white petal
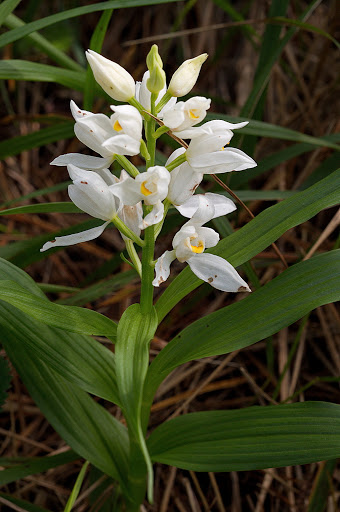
x,y
183,183
217,272
208,143
204,213
128,191
210,237
132,216
76,238
122,145
174,117
223,205
82,161
162,267
129,119
155,216
221,161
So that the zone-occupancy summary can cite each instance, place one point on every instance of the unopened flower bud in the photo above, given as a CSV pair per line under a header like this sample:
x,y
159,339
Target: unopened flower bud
x,y
156,82
112,77
184,79
153,58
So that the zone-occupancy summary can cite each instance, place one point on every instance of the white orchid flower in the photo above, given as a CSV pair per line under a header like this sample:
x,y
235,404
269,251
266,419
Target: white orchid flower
x,y
206,153
91,192
120,134
186,114
112,77
189,245
143,95
185,77
151,187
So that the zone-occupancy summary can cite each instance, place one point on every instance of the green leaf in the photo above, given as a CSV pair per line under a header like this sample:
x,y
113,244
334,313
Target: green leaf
x,y
6,8
68,318
135,331
88,428
79,359
321,486
16,69
61,207
18,33
258,234
16,145
248,439
5,380
17,468
279,303
44,44
76,489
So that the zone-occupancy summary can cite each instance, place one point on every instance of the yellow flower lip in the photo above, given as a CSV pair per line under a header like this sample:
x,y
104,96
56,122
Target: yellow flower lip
x,y
192,115
145,191
197,249
117,127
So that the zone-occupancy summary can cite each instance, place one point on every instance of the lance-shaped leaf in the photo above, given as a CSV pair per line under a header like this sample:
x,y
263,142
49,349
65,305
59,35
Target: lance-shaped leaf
x,y
258,234
20,467
290,296
79,359
68,318
251,438
86,426
63,207
135,331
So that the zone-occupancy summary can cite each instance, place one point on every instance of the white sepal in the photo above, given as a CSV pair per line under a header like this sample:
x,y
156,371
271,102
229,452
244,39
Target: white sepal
x,y
122,145
83,161
91,193
126,119
162,267
75,238
227,160
218,272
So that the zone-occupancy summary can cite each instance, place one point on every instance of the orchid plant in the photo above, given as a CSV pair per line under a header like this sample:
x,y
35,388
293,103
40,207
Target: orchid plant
x,y
137,202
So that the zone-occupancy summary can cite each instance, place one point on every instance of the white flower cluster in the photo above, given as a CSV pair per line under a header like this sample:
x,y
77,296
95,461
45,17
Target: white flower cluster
x,y
96,191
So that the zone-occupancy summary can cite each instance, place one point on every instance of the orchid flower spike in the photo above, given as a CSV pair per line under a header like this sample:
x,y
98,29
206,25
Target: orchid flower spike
x,y
189,244
112,77
151,187
121,134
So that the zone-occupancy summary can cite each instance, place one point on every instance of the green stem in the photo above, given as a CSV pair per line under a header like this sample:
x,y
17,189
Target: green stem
x,y
127,165
178,161
146,299
167,96
127,231
158,227
160,131
134,256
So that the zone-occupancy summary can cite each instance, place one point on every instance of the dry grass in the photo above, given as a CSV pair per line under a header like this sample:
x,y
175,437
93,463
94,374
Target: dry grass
x,y
301,95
